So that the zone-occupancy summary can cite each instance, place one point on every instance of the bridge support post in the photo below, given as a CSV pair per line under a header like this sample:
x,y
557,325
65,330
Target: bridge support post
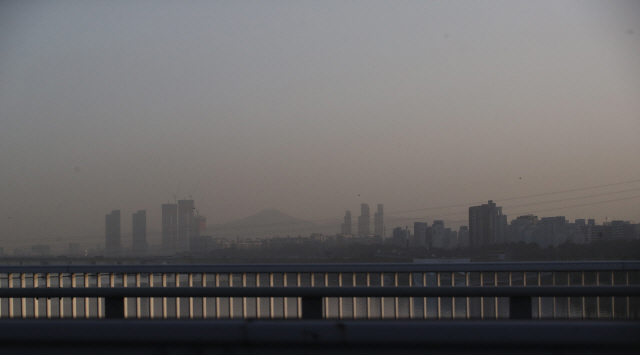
x,y
520,307
311,307
114,307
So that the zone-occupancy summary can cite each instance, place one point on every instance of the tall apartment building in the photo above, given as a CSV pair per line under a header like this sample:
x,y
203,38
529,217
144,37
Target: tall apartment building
x,y
364,220
621,230
378,221
112,242
169,228
522,229
185,224
139,233
438,234
420,234
345,227
487,225
199,225
551,231
400,237
463,237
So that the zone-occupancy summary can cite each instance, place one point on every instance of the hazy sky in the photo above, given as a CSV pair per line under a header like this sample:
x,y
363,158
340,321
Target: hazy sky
x,y
312,108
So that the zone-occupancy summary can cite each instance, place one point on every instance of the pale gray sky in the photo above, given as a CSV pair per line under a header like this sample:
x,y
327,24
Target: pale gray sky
x,y
313,107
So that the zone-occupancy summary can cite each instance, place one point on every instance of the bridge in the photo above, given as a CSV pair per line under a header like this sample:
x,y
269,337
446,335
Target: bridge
x,y
529,307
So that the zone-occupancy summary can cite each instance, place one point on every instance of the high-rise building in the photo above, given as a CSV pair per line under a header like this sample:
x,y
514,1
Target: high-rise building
x,y
438,234
185,224
139,233
378,221
199,225
112,245
169,228
420,234
551,231
463,237
400,237
522,228
621,230
345,228
486,225
364,220
450,239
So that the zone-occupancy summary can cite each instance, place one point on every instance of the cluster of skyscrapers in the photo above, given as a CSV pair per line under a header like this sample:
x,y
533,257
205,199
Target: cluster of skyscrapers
x,y
180,228
113,237
488,226
364,222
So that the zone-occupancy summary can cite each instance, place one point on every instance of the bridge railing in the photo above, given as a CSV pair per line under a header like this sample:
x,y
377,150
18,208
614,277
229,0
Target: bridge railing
x,y
572,290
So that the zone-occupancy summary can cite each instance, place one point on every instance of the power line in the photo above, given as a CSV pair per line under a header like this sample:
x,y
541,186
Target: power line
x,y
517,198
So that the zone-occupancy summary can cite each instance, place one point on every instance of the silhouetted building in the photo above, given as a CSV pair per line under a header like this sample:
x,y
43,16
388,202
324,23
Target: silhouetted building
x,y
463,237
112,243
169,228
502,228
438,234
199,225
185,224
378,221
581,231
345,227
522,229
601,232
364,220
487,225
551,231
450,239
635,231
400,237
139,233
420,234
621,230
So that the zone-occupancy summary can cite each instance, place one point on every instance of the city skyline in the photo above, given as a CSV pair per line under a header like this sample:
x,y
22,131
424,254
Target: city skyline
x,y
166,234
314,108
486,226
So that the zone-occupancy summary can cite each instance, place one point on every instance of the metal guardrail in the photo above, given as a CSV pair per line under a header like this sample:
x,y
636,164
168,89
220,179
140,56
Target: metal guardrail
x,y
556,266
520,297
580,290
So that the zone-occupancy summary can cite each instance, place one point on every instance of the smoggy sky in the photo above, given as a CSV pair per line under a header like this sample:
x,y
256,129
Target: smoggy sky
x,y
312,108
